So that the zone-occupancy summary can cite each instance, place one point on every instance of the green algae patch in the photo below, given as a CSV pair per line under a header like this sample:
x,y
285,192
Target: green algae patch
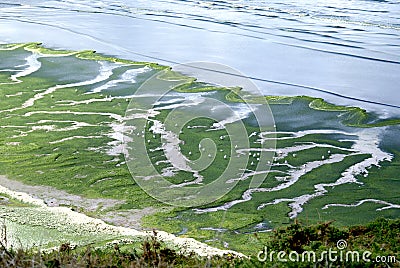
x,y
9,201
13,46
170,75
280,100
38,48
194,87
353,116
92,55
348,115
63,126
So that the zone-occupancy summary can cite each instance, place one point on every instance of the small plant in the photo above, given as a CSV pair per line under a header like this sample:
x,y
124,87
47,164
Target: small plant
x,y
155,255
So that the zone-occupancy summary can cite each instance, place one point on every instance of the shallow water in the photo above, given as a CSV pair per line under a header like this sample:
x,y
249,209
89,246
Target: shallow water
x,y
348,48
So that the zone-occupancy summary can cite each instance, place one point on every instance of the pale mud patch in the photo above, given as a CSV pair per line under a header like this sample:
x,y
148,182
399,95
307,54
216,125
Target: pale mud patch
x,y
53,197
130,218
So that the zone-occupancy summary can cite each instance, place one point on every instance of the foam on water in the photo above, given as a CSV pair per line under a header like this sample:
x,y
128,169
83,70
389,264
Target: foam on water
x,y
32,64
127,77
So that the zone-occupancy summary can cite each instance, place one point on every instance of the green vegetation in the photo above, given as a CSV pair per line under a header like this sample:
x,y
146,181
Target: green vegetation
x,y
299,243
380,238
63,126
150,253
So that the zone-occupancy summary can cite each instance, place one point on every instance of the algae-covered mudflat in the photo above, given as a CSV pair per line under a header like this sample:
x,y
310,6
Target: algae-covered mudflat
x,y
65,133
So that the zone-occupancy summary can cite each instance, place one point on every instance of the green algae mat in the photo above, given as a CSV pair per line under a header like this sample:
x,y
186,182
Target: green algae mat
x,y
70,121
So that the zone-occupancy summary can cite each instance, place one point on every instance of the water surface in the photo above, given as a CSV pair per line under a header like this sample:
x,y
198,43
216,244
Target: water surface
x,y
350,48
